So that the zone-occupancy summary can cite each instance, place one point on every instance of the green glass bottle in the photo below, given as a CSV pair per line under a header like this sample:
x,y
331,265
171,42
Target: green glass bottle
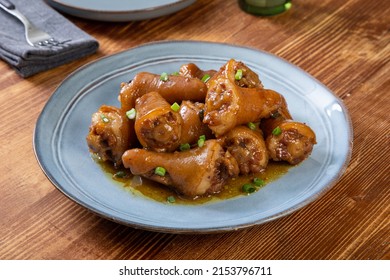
x,y
265,7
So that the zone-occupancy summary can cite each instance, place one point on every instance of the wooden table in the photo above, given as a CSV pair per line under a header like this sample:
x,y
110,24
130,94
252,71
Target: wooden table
x,y
344,44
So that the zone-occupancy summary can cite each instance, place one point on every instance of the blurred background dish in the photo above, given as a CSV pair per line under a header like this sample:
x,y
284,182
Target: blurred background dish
x,y
119,10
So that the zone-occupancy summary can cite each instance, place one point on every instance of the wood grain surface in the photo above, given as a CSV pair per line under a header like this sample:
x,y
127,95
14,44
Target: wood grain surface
x,y
344,44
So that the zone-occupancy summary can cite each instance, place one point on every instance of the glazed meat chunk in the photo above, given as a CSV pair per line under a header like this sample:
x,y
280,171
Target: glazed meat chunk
x,y
193,126
194,172
172,88
286,139
247,146
228,104
110,134
191,70
157,126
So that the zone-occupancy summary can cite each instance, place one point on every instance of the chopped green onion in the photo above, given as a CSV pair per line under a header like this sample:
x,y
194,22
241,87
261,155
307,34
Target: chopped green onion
x,y
200,142
251,125
164,77
248,188
184,147
175,107
205,78
131,114
258,182
175,73
171,199
120,174
160,171
238,75
277,131
104,118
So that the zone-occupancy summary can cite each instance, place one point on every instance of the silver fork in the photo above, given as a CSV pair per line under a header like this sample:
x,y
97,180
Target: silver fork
x,y
34,36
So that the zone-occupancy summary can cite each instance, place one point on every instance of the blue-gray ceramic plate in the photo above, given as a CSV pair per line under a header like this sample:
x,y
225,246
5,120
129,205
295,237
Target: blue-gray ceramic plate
x,y
61,149
119,10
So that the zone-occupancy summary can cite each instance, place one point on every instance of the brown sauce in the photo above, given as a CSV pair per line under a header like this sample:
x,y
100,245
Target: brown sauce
x,y
160,193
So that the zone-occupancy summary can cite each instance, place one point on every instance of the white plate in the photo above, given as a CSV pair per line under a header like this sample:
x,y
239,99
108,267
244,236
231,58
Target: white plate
x,y
62,152
119,10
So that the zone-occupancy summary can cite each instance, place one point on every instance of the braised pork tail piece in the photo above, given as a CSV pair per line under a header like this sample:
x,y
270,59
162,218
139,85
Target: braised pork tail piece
x,y
157,126
110,134
173,88
233,99
191,70
193,126
194,172
286,139
248,147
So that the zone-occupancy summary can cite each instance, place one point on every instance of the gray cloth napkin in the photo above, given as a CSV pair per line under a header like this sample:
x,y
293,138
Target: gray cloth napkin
x,y
28,60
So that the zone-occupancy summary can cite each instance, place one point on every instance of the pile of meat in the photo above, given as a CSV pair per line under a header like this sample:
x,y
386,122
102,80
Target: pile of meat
x,y
195,129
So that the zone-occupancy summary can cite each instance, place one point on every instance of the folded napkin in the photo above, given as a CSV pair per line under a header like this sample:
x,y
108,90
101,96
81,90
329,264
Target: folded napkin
x,y
28,60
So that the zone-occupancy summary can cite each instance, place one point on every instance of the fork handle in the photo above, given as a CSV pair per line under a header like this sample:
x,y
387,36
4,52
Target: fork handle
x,y
11,9
7,5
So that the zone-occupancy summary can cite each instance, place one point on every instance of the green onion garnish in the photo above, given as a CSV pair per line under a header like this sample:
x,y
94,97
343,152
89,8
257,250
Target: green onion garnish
x,y
251,125
184,147
201,140
248,188
238,75
160,171
164,77
175,107
205,78
171,199
131,114
258,182
277,131
120,174
104,118
175,73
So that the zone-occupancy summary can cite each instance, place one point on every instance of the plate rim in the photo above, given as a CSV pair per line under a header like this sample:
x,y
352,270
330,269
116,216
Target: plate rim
x,y
332,181
120,15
